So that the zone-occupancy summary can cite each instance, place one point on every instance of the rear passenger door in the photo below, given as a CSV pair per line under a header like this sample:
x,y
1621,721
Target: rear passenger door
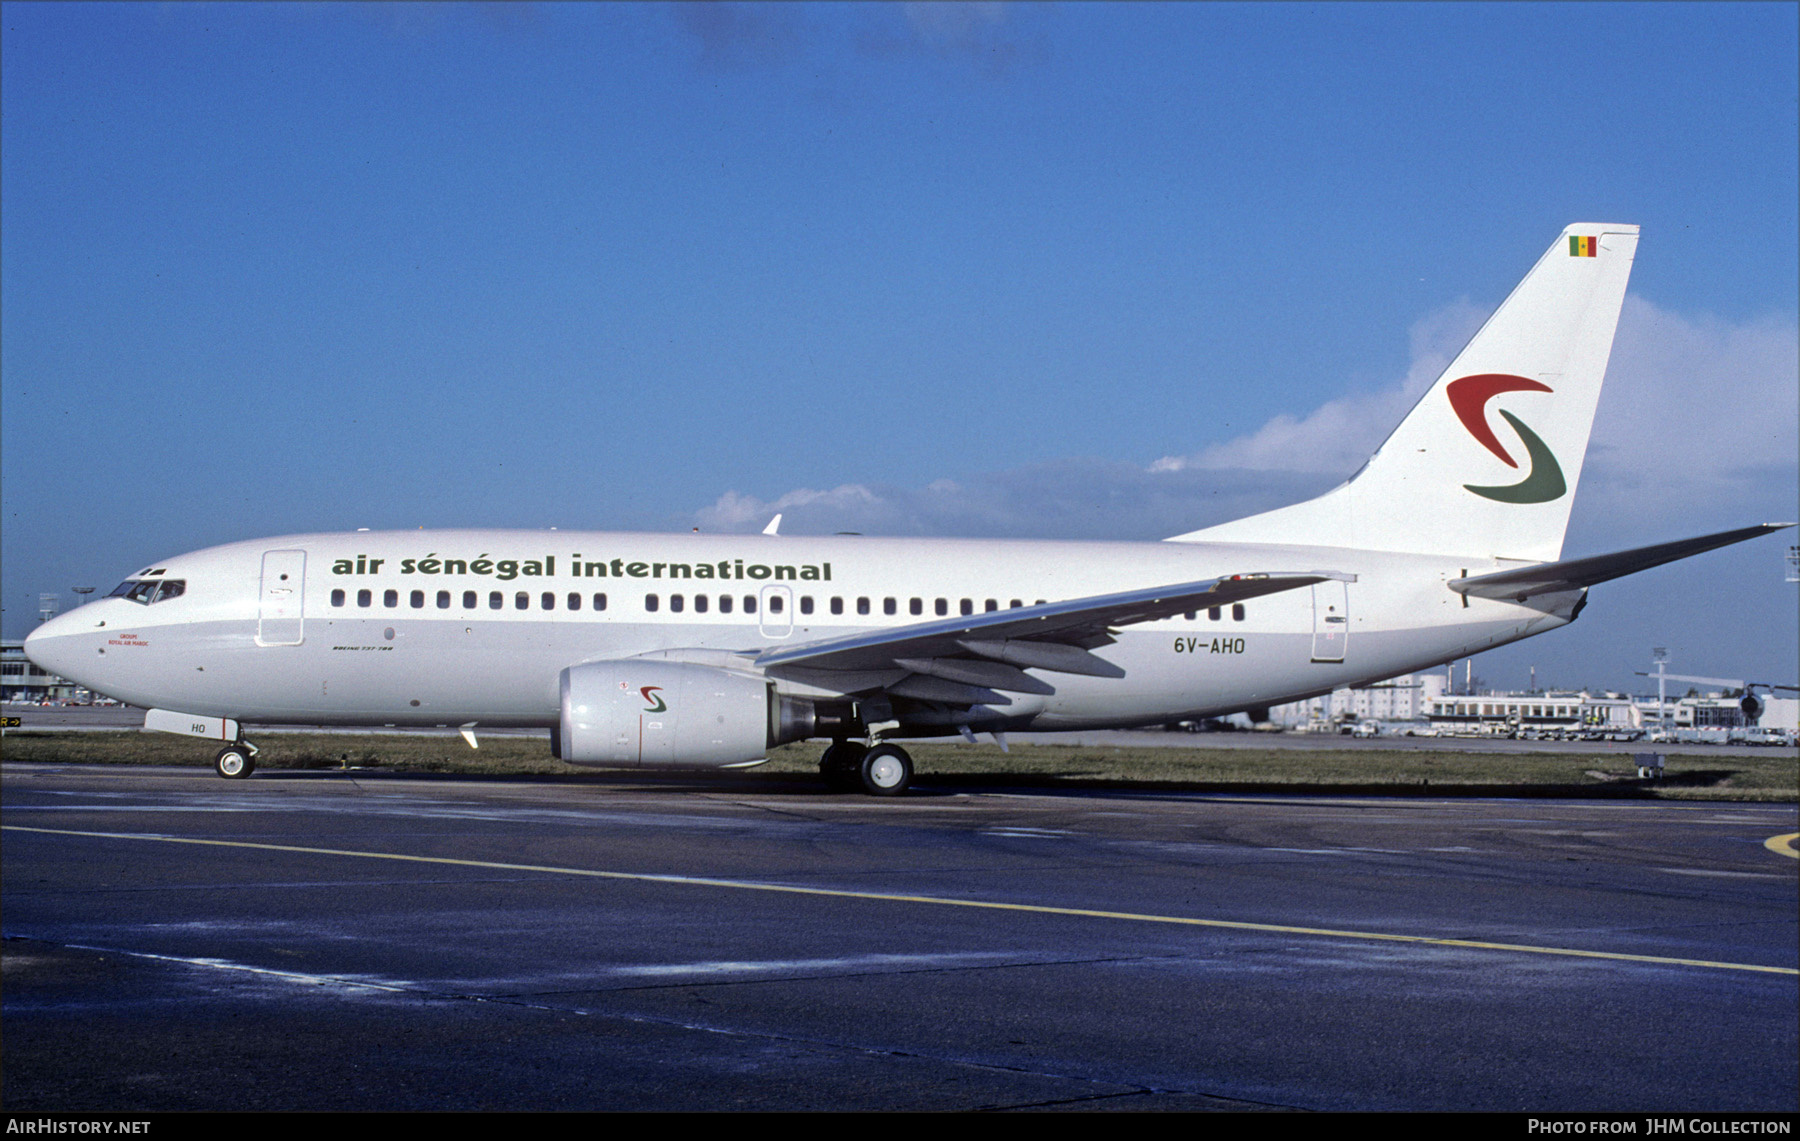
x,y
1331,621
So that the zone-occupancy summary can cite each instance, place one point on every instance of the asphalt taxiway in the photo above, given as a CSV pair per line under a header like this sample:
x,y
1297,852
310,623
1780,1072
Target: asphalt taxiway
x,y
314,940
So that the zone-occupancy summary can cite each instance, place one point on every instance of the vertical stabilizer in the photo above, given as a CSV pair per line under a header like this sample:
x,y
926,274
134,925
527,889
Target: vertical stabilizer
x,y
1487,462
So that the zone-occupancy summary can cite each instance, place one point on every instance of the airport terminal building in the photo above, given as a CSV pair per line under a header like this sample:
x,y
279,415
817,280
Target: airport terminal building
x,y
1427,700
21,680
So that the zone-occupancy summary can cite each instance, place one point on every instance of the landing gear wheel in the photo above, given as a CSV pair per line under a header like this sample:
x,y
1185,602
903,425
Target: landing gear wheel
x,y
885,770
234,762
839,764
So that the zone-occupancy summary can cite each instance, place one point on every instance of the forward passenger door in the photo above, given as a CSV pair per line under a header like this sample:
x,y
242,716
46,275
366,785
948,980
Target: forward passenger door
x,y
283,598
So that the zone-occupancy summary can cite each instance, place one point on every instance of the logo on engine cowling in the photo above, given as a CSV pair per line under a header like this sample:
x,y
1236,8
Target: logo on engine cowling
x,y
653,703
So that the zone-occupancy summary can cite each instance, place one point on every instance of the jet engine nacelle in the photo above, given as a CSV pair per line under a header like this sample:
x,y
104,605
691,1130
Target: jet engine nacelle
x,y
637,713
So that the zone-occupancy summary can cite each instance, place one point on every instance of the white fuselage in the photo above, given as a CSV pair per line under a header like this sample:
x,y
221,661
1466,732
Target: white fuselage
x,y
459,627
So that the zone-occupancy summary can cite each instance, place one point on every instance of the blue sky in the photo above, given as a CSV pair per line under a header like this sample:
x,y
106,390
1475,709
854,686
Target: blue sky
x,y
1055,270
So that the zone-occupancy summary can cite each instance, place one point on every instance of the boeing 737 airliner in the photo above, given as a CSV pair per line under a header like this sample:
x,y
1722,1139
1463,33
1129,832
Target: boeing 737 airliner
x,y
688,650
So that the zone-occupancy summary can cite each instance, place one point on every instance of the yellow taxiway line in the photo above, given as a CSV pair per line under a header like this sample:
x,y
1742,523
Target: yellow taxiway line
x,y
940,901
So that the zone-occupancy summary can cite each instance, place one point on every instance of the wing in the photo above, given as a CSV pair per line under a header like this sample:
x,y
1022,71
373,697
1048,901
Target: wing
x,y
1575,574
967,659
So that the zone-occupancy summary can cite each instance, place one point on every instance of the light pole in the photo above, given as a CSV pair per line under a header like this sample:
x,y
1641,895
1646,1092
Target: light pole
x,y
1659,657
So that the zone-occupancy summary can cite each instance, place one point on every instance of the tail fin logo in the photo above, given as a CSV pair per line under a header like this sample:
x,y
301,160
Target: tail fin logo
x,y
1468,398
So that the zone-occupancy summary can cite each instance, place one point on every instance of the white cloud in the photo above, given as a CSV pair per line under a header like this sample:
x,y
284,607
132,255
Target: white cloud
x,y
1338,436
1697,427
1697,412
1067,499
960,24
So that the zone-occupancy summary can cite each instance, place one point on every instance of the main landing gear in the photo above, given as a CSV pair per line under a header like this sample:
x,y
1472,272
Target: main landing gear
x,y
884,770
236,760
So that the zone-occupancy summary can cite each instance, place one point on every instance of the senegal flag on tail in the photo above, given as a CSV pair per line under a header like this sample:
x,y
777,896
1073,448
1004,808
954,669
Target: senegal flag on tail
x,y
1580,247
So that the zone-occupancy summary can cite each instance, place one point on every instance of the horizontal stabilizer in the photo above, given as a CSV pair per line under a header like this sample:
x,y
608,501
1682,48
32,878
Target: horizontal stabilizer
x,y
1575,574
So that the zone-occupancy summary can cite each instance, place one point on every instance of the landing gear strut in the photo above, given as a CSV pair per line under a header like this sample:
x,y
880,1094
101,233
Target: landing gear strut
x,y
885,770
236,761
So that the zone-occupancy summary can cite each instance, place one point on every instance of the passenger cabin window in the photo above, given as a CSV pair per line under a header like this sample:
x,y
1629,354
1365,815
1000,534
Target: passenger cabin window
x,y
774,604
916,606
548,601
496,600
365,597
700,604
724,604
418,600
600,601
443,600
1237,612
677,603
862,606
837,605
390,598
890,606
943,606
574,600
806,604
968,606
469,600
652,603
337,598
749,604
1213,614
522,601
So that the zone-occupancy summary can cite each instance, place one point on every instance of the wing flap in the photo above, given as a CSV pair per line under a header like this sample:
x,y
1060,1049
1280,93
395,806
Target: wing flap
x,y
992,675
1053,656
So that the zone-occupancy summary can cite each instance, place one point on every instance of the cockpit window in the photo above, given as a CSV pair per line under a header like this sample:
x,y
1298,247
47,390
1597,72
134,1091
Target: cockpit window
x,y
145,591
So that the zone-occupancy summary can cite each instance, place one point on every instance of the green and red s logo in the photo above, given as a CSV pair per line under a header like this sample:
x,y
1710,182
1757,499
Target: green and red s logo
x,y
653,703
1468,398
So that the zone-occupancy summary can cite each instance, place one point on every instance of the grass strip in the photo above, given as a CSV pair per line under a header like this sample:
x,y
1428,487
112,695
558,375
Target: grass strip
x,y
1687,776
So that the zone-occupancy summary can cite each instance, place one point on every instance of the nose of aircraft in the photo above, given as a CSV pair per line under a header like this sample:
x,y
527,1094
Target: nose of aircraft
x,y
53,647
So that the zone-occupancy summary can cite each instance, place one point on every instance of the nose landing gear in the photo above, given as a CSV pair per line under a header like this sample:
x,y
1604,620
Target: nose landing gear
x,y
236,761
